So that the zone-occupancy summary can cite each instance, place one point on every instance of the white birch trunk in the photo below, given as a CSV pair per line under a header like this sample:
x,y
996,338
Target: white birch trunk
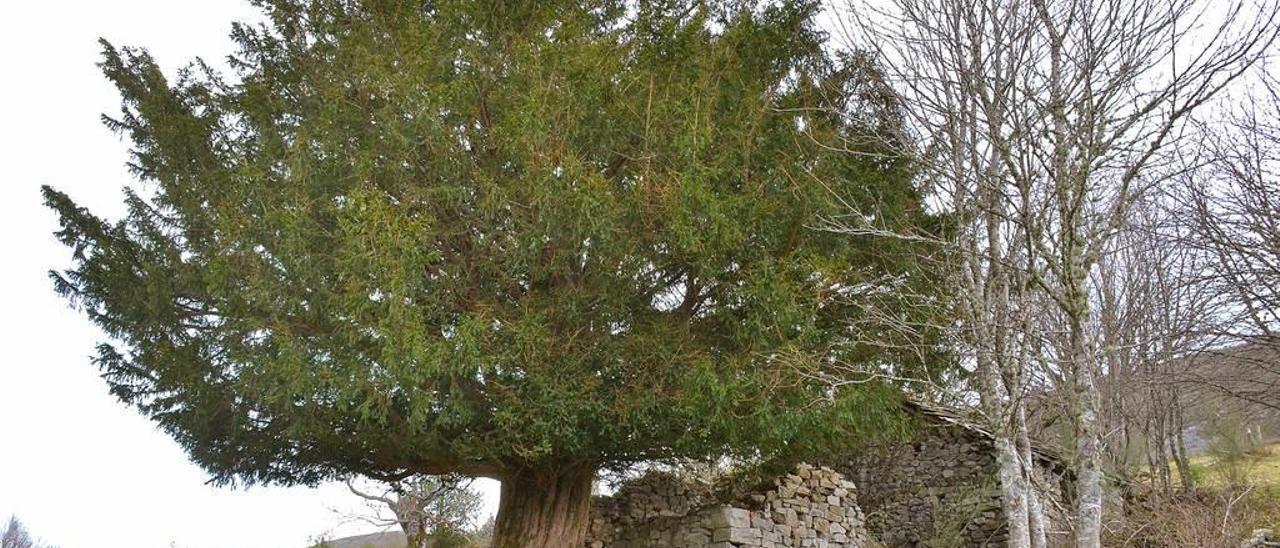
x,y
1037,524
1088,470
1014,491
1043,122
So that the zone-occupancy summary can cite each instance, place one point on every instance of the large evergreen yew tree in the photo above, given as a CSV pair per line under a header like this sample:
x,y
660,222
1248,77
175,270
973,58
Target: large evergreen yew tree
x,y
527,240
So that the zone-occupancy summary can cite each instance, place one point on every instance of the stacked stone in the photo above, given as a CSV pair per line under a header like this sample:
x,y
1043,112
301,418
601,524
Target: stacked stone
x,y
810,508
944,478
655,495
910,489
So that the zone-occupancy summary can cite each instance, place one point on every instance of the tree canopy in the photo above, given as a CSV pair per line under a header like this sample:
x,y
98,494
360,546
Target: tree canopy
x,y
478,236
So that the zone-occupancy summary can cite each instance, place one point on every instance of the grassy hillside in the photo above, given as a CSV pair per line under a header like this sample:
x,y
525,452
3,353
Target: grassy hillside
x,y
1259,468
396,539
388,539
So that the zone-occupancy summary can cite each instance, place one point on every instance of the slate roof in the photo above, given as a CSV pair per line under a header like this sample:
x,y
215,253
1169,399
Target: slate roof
x,y
1047,454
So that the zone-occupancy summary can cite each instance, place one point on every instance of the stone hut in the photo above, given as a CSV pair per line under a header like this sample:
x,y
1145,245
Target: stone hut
x,y
937,489
809,508
940,488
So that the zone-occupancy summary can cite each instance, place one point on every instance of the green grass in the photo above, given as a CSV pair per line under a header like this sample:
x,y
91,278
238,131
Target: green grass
x,y
1259,467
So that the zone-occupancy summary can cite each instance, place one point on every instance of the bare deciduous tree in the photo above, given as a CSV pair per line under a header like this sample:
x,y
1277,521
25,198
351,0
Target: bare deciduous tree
x,y
1042,123
1151,311
15,535
1233,212
426,508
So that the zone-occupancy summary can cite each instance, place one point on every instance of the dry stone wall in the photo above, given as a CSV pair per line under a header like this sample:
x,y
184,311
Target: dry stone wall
x,y
939,489
655,496
809,508
936,490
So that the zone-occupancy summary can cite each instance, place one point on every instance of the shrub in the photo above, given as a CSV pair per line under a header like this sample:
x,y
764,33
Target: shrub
x,y
1211,517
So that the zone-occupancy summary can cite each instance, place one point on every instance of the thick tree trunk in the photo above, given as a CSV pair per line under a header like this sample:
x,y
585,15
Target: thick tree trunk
x,y
544,508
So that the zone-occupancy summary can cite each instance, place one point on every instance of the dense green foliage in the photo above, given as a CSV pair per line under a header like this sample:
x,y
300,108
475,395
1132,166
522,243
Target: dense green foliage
x,y
423,237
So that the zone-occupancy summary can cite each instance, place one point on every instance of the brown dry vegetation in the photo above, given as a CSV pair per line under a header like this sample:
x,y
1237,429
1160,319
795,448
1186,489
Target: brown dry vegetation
x,y
1234,497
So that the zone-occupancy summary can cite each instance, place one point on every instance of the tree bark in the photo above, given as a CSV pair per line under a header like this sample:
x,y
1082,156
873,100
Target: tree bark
x,y
1088,469
1014,489
544,508
1180,449
1038,528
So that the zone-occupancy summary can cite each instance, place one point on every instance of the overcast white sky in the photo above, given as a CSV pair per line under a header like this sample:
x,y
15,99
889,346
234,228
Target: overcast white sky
x,y
80,469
